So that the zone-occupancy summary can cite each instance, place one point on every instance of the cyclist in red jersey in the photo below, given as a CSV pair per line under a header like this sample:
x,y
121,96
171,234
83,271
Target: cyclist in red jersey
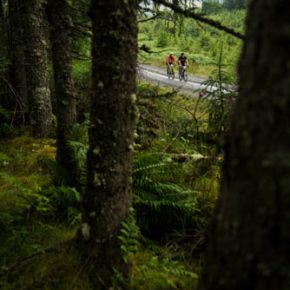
x,y
170,59
170,62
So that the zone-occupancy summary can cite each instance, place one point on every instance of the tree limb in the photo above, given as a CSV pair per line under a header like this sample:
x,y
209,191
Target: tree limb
x,y
150,18
201,18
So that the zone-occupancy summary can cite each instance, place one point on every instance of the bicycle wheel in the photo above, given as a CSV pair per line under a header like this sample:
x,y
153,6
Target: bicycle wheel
x,y
185,76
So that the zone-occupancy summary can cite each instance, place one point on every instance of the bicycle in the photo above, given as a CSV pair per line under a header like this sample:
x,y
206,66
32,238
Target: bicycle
x,y
183,73
170,71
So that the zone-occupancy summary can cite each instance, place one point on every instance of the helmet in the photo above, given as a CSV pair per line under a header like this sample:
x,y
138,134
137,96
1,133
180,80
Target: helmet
x,y
171,53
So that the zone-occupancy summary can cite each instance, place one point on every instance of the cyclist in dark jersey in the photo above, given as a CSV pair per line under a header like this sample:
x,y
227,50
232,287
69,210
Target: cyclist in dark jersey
x,y
182,62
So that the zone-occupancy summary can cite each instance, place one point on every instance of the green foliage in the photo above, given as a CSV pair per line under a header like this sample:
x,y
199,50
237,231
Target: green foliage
x,y
6,128
81,73
235,4
174,190
163,40
163,205
161,273
66,203
78,145
220,95
149,118
210,7
200,44
4,159
154,268
34,218
130,236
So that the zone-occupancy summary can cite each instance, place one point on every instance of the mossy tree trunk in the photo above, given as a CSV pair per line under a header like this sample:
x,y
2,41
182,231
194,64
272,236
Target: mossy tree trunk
x,y
17,75
61,24
107,198
250,242
36,68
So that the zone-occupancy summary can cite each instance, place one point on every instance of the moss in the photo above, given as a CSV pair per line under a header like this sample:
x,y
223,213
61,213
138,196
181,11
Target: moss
x,y
35,247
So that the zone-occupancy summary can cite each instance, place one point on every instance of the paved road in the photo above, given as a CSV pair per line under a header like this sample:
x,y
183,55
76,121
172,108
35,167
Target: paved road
x,y
194,84
158,76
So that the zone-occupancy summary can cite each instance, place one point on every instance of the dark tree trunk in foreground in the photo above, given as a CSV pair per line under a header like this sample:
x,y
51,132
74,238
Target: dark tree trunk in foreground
x,y
107,199
250,242
60,20
37,78
1,11
17,75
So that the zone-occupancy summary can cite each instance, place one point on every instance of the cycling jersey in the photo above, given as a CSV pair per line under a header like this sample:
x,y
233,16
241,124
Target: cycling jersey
x,y
170,59
182,60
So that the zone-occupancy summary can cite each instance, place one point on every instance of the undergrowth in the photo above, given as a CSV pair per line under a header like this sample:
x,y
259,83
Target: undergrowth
x,y
175,186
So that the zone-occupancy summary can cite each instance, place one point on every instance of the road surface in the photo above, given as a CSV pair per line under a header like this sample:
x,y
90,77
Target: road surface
x,y
158,76
194,84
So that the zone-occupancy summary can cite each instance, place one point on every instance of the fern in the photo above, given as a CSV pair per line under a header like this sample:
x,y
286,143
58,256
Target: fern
x,y
78,145
162,205
156,273
66,202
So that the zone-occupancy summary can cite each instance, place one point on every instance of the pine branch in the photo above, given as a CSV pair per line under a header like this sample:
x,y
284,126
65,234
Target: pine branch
x,y
149,18
201,18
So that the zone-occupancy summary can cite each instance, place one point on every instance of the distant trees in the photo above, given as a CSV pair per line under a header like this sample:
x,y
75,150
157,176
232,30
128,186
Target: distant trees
x,y
229,4
250,238
211,6
107,198
235,4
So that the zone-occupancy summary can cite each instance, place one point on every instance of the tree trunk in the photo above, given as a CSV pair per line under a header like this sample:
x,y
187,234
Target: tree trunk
x,y
107,198
250,237
37,78
60,20
17,75
1,11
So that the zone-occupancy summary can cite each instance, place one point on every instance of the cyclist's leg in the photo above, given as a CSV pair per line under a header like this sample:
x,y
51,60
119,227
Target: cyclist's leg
x,y
185,73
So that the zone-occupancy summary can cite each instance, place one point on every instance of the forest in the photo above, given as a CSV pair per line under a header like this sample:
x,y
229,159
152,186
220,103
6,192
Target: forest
x,y
115,175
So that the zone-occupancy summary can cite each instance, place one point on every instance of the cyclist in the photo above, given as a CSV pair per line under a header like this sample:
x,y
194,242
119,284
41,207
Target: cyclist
x,y
182,62
170,61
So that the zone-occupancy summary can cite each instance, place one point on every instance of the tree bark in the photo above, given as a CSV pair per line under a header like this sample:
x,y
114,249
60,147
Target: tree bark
x,y
17,75
107,198
250,238
1,11
36,68
61,23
